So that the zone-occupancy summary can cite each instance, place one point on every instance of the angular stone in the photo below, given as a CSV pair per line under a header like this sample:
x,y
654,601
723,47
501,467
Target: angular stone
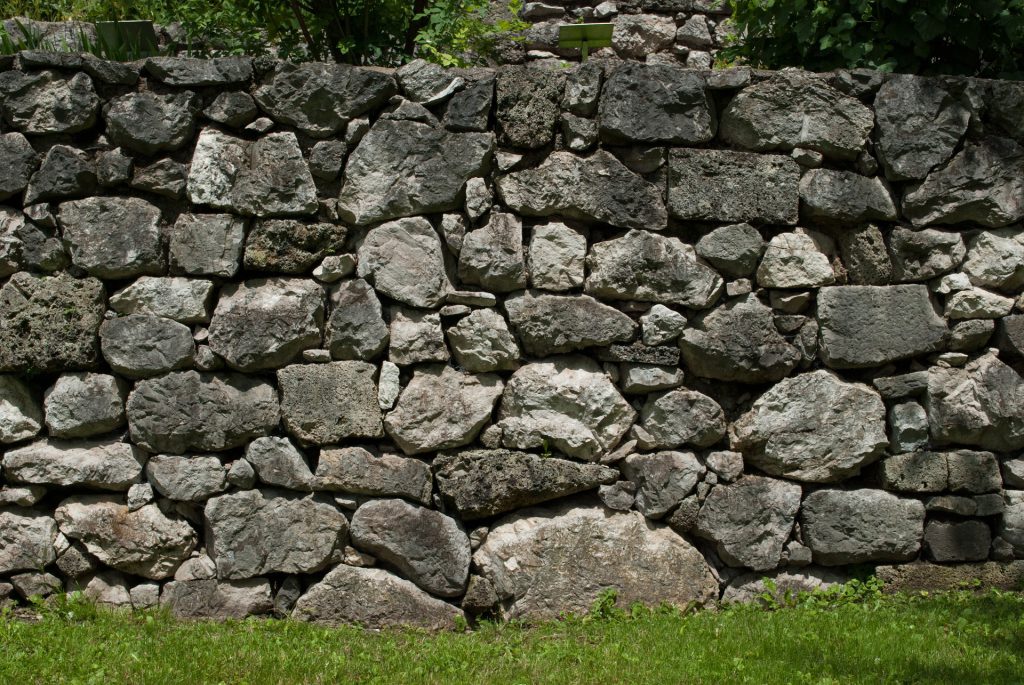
x,y
918,576
65,172
431,549
549,324
291,247
923,254
527,106
189,72
482,483
319,98
148,122
278,463
864,326
217,600
738,342
100,465
356,329
442,408
661,325
1012,527
556,257
793,110
492,256
680,417
977,304
662,480
405,168
188,478
20,161
794,260
144,542
919,124
185,300
327,158
207,412
567,403
470,108
643,562
21,417
113,237
983,184
722,185
26,539
207,244
357,471
637,35
845,197
970,335
36,584
995,259
954,541
322,404
252,532
909,424
267,323
28,246
374,599
644,266
46,103
734,250
973,472
404,260
266,177
865,256
915,472
656,103
595,188
786,585
750,520
643,378
416,337
858,526
26,496
728,466
232,108
813,427
142,346
163,177
482,342
981,404
639,353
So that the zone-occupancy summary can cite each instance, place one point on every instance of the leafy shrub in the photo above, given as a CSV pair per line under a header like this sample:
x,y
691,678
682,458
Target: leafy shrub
x,y
974,37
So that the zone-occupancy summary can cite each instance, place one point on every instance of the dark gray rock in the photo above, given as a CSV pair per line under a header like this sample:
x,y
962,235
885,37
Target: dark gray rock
x,y
25,245
20,161
663,480
356,328
113,237
470,108
190,478
45,102
164,177
148,122
357,471
733,250
207,244
233,108
549,324
141,346
326,159
322,404
845,197
492,256
918,255
64,172
527,106
859,526
955,541
188,72
865,256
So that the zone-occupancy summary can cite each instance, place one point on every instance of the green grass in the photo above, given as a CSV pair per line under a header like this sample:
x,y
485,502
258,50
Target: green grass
x,y
956,638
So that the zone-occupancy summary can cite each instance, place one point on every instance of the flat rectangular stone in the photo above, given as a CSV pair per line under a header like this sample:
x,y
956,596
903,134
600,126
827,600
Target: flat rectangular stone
x,y
904,385
638,353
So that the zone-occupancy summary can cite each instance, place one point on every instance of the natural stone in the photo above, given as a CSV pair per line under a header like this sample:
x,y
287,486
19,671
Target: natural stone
x,y
232,108
356,329
786,585
909,424
21,417
20,161
185,300
549,324
278,463
404,260
207,244
46,103
845,197
217,600
482,342
680,417
291,247
661,325
527,106
859,526
977,304
865,256
141,346
728,466
327,158
794,260
492,256
639,379
148,122
556,257
923,254
100,465
660,104
636,35
954,541
25,245
65,172
113,237
919,575
416,337
322,404
470,108
188,478
662,480
26,539
733,250
980,404
191,72
995,259
357,471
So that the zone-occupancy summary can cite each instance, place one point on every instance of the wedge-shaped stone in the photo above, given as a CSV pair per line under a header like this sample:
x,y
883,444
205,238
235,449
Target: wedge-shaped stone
x,y
865,325
404,260
595,188
859,526
794,260
26,540
482,342
722,185
104,465
205,412
21,417
322,404
405,168
252,532
185,300
566,403
549,324
656,104
482,483
813,427
642,562
47,103
492,256
374,599
278,463
845,197
20,160
144,542
662,479
357,471
113,237
356,328
644,266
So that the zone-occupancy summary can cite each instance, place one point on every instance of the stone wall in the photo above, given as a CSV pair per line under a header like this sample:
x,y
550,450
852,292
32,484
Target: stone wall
x,y
354,345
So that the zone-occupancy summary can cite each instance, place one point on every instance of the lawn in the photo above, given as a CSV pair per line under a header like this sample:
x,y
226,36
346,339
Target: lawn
x,y
950,638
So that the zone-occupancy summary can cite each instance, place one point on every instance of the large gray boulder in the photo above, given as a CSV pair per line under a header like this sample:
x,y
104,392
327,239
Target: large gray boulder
x,y
322,404
207,412
142,346
79,405
252,532
186,478
642,562
207,244
845,197
662,479
595,188
548,324
320,98
64,172
813,427
482,342
185,300
56,343
26,539
278,463
738,342
995,259
723,185
21,417
404,168
266,323
429,548
148,122
442,408
193,72
566,403
981,404
374,599
144,542
644,266
865,325
858,526
919,126
750,520
655,104
356,328
482,483
99,465
918,255
210,598
45,102
679,417
527,105
290,246
113,237
357,471
404,260
265,177
793,110
982,184
21,160
492,256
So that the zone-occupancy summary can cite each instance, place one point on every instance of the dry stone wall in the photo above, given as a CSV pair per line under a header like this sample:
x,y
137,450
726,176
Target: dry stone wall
x,y
354,345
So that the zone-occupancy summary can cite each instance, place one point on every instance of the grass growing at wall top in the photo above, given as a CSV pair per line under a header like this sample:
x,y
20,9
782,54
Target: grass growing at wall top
x,y
951,638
